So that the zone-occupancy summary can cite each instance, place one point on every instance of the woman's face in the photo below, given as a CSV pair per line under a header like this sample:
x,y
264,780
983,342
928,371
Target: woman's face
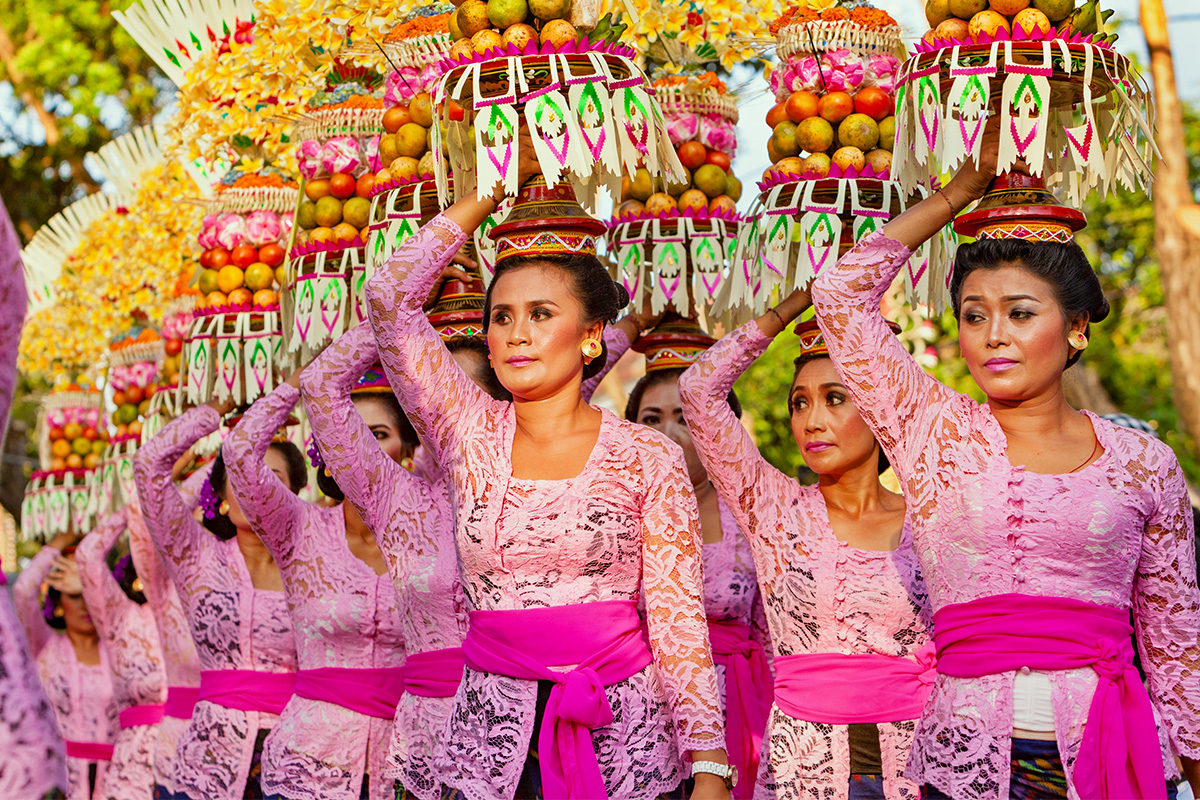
x,y
76,616
381,419
661,409
1013,333
831,434
536,331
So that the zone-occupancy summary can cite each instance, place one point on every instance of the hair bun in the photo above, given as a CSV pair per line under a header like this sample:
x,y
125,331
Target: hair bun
x,y
622,294
1099,311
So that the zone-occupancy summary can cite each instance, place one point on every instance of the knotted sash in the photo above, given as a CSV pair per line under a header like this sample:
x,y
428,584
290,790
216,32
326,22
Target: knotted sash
x,y
435,673
748,692
604,639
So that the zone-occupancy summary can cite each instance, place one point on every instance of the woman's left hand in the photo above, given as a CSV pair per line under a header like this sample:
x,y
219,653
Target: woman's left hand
x,y
709,787
64,576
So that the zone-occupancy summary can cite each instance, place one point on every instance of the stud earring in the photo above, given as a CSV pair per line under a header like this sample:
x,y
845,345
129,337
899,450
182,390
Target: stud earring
x,y
223,508
1077,340
591,349
59,613
407,463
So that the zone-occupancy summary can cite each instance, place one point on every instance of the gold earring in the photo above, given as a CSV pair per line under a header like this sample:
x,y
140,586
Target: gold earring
x,y
1077,340
223,508
136,585
591,349
58,612
407,463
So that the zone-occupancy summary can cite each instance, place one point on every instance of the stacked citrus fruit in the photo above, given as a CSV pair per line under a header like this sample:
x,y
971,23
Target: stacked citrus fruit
x,y
968,20
479,27
75,434
134,357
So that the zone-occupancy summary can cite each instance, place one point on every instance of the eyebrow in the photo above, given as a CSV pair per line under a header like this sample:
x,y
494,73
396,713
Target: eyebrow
x,y
830,385
1008,298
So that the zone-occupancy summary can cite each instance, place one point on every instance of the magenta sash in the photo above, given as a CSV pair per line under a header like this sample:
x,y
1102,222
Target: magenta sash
x,y
435,673
373,692
141,715
247,689
181,701
89,751
1119,755
604,638
748,693
847,688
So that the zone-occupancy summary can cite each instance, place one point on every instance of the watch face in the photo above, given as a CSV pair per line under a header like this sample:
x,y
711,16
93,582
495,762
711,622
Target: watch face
x,y
733,777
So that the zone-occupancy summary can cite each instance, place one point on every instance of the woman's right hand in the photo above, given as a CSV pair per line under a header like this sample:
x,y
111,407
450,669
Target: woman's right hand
x,y
972,180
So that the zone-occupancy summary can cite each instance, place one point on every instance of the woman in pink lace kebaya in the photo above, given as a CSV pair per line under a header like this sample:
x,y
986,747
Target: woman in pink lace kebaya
x,y
561,511
1038,527
332,740
72,663
844,598
233,596
126,624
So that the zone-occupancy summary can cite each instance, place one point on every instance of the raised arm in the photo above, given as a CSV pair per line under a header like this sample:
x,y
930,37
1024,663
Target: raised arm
x,y
104,596
151,570
432,388
674,596
365,474
13,301
272,508
1166,610
168,516
25,598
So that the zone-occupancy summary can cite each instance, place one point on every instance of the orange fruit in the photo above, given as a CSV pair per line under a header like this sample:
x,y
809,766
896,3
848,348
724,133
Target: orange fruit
x,y
230,278
217,299
74,461
316,189
241,297
265,298
61,448
345,232
836,106
801,105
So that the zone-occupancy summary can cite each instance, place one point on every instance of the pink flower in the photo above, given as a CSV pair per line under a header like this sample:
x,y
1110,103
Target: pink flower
x,y
718,134
262,227
340,154
231,230
308,155
807,75
844,70
682,128
371,150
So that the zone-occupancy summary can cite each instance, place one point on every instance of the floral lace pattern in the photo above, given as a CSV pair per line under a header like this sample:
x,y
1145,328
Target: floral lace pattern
x,y
233,624
1117,532
131,640
821,595
344,615
629,515
80,694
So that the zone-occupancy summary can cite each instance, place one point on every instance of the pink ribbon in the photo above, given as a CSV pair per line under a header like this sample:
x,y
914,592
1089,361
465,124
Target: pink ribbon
x,y
247,689
141,715
89,751
748,696
605,639
847,688
181,701
1119,754
371,692
436,673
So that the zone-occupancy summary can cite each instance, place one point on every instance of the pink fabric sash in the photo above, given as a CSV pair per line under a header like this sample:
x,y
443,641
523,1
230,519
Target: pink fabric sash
x,y
604,638
436,673
373,692
247,689
181,701
845,688
1119,755
141,715
89,751
748,694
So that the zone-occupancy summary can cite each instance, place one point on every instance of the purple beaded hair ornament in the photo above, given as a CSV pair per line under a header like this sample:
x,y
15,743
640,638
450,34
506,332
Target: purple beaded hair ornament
x,y
209,501
49,608
314,454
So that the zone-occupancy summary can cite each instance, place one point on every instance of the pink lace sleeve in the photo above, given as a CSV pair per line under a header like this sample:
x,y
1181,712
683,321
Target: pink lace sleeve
x,y
189,490
151,571
272,508
747,481
674,594
168,516
105,598
364,473
617,343
13,301
434,391
25,598
759,630
897,398
1166,609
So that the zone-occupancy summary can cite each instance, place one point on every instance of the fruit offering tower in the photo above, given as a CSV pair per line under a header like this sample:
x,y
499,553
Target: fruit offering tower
x,y
831,146
134,358
558,69
671,242
339,154
234,347
167,402
71,439
405,193
1070,107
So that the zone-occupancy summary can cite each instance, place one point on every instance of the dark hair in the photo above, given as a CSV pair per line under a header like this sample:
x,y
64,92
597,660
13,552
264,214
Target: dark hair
x,y
126,574
800,363
219,524
408,434
660,376
1063,266
491,384
54,601
602,298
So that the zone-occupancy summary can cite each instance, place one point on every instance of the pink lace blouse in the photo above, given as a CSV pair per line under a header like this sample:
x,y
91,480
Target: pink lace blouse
x,y
630,514
821,595
1117,533
413,522
179,651
731,585
81,694
234,625
131,640
344,615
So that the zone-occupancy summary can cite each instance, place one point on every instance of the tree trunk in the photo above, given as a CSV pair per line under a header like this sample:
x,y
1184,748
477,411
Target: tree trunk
x,y
1176,241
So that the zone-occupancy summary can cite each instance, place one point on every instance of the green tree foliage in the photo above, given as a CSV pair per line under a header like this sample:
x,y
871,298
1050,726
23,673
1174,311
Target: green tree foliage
x,y
70,80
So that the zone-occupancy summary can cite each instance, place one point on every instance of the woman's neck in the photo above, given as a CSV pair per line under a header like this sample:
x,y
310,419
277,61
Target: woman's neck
x,y
86,645
1037,417
856,491
546,419
356,528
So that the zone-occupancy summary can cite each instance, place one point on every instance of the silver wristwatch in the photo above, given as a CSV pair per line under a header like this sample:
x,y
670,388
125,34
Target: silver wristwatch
x,y
726,772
